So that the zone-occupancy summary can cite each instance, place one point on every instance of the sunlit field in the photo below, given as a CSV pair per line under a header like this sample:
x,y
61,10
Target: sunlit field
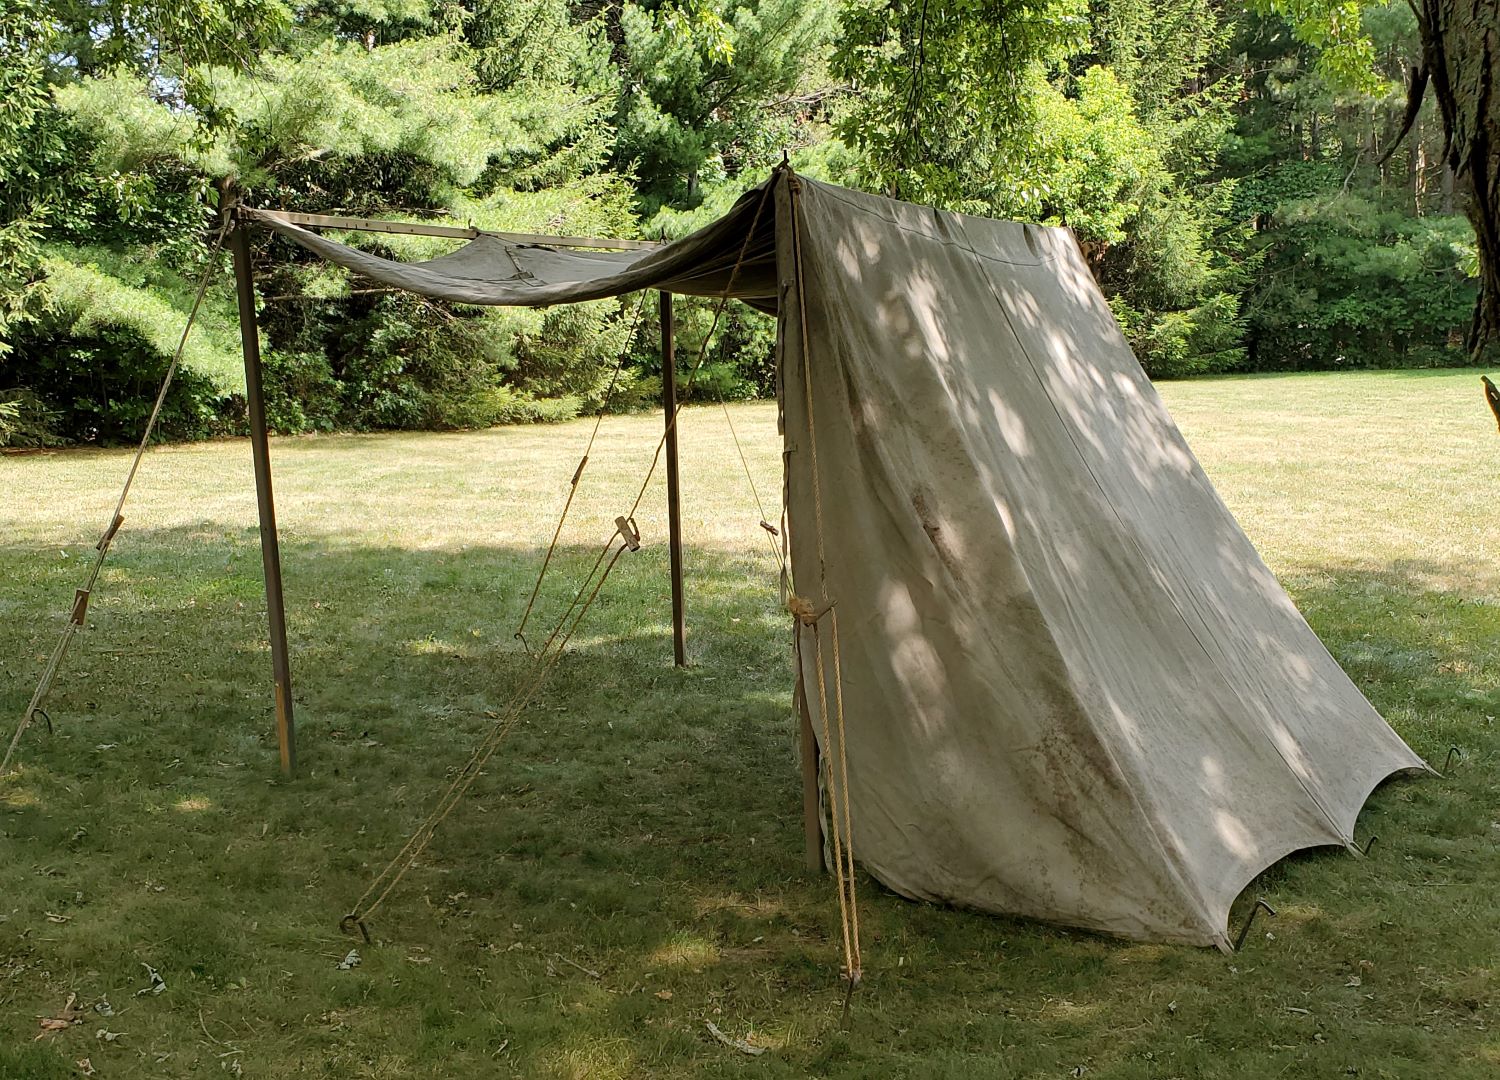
x,y
629,868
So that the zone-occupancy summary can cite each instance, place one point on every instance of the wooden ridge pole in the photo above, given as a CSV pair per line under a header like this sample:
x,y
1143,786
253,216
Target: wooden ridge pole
x,y
467,232
674,494
260,449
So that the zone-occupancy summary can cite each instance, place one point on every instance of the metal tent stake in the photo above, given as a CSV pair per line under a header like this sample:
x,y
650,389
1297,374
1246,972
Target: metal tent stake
x,y
1260,902
270,547
674,494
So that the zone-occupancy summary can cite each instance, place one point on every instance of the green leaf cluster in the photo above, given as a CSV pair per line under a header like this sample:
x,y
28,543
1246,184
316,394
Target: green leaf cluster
x,y
943,96
1362,258
1223,169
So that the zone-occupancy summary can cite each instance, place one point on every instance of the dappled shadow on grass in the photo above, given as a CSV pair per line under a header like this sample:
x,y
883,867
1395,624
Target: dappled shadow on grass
x,y
642,824
1428,658
632,801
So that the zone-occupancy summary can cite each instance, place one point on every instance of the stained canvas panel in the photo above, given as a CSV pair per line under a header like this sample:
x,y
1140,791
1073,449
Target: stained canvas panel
x,y
1072,689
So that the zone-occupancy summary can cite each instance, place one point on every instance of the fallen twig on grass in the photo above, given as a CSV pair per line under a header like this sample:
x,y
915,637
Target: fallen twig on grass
x,y
590,972
735,1044
204,1026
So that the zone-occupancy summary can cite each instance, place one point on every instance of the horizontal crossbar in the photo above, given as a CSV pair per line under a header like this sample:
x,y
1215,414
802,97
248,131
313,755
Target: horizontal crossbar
x,y
465,232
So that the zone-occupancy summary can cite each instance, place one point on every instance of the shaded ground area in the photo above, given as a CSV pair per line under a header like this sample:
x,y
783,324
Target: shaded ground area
x,y
629,867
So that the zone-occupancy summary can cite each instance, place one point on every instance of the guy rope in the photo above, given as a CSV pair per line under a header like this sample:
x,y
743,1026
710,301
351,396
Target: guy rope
x,y
544,658
807,619
583,462
79,614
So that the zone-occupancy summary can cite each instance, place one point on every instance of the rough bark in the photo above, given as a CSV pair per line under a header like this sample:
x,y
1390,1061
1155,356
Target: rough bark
x,y
1461,49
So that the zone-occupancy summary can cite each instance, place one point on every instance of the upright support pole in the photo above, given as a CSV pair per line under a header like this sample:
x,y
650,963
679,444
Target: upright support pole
x,y
674,495
270,546
812,821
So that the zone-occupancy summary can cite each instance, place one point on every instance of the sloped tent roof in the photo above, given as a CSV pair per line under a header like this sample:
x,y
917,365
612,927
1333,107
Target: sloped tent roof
x,y
1072,689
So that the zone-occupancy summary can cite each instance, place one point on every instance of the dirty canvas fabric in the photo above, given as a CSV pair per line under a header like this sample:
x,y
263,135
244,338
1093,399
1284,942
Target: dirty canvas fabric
x,y
491,271
1072,689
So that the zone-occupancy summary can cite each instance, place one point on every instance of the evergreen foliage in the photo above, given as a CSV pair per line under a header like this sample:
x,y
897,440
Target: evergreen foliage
x,y
1359,261
1219,167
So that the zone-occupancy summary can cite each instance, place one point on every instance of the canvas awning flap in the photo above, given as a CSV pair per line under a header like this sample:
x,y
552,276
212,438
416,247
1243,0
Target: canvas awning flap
x,y
489,271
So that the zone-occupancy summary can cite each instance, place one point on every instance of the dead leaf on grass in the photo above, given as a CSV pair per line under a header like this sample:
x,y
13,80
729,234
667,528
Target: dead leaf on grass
x,y
157,983
62,1021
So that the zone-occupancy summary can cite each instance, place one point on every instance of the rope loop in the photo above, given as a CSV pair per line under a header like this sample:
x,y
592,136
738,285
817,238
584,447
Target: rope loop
x,y
802,610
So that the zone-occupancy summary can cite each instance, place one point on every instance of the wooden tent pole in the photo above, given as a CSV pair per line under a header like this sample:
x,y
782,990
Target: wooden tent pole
x,y
674,493
270,547
812,820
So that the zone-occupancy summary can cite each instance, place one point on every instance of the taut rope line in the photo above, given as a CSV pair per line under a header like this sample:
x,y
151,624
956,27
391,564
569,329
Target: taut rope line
x,y
703,348
770,530
81,597
609,393
687,390
544,659
406,858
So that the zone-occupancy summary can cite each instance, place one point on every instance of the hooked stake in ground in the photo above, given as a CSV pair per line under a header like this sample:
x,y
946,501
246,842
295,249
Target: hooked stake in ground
x,y
1260,902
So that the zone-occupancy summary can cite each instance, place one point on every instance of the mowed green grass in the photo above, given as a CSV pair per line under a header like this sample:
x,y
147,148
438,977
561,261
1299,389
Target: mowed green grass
x,y
643,823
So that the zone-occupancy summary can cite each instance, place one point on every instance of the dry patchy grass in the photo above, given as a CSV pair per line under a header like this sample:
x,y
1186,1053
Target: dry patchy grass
x,y
644,822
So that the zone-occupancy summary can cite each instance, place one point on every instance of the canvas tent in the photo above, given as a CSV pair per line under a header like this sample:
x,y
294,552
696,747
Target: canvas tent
x,y
1072,690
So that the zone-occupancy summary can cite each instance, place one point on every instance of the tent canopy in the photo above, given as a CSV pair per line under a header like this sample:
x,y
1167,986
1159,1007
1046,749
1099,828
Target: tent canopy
x,y
1072,689
489,271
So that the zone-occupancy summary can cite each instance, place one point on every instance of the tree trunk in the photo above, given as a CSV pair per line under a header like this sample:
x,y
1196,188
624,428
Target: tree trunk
x,y
1461,49
1414,167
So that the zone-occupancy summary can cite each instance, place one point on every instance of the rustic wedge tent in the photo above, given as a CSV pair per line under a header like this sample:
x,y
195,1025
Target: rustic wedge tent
x,y
1058,678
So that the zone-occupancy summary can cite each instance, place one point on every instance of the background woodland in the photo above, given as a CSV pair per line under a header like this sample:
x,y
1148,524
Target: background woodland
x,y
1232,176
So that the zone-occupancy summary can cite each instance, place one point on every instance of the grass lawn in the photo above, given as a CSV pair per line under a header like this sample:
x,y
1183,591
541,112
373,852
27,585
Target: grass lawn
x,y
630,865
